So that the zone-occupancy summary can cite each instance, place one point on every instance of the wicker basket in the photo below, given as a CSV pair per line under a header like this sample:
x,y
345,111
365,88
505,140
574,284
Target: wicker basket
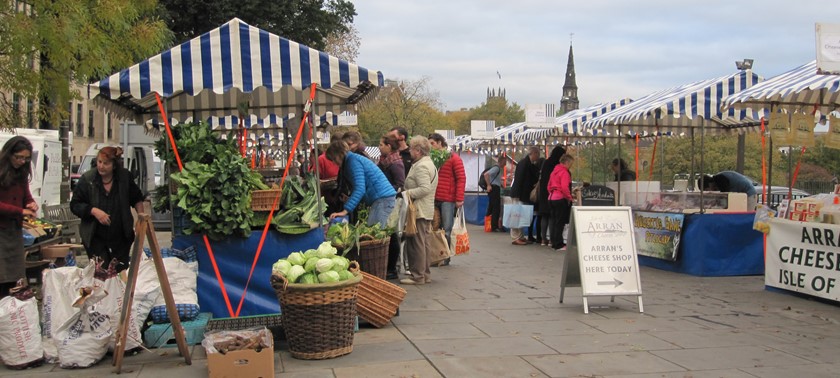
x,y
378,300
261,200
319,319
373,257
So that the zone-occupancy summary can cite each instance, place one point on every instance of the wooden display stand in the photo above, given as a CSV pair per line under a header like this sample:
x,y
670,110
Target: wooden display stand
x,y
143,230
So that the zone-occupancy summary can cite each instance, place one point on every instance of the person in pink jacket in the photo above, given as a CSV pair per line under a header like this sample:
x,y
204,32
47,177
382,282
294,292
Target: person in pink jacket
x,y
560,200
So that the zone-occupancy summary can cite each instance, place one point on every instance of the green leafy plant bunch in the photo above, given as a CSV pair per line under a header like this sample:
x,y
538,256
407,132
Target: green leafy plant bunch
x,y
214,189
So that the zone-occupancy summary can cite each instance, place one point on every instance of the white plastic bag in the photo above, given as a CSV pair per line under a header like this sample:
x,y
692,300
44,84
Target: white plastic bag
x,y
83,340
112,306
182,280
60,289
20,330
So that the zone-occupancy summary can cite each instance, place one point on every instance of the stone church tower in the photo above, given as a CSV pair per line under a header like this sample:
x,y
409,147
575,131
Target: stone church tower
x,y
570,101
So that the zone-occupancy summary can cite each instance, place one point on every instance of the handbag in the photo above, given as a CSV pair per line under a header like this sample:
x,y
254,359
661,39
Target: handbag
x,y
439,247
460,237
535,193
410,228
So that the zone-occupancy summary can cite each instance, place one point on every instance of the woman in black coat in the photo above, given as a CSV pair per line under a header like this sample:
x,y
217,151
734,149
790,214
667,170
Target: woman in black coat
x,y
543,209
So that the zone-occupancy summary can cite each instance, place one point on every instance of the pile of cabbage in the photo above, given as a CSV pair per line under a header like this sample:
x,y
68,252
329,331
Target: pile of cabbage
x,y
314,266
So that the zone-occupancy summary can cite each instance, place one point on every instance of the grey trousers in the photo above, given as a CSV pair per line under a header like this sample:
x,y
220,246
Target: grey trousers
x,y
417,250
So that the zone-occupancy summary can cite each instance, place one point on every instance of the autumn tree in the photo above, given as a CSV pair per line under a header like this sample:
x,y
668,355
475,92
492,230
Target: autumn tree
x,y
404,103
310,22
344,44
49,45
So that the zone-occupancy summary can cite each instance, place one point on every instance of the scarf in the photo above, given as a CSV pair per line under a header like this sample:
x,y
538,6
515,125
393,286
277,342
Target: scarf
x,y
385,161
439,157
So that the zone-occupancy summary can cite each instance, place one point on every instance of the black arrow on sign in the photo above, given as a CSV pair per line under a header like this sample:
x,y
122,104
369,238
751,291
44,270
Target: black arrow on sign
x,y
615,282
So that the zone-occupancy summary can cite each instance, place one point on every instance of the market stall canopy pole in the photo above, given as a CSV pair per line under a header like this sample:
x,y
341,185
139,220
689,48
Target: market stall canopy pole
x,y
212,74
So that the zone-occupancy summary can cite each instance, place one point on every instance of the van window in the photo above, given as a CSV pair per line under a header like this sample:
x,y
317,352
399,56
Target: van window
x,y
87,163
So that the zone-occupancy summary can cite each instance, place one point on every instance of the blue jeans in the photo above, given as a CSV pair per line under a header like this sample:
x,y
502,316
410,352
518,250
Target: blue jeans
x,y
380,210
447,218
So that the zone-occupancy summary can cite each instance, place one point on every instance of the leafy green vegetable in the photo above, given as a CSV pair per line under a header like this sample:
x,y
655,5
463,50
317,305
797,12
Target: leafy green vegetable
x,y
329,276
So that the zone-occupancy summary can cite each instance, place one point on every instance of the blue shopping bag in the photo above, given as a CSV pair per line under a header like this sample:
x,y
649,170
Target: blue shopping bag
x,y
518,216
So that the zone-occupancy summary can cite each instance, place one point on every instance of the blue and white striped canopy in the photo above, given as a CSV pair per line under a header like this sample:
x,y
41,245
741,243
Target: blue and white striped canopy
x,y
680,109
235,63
801,87
571,123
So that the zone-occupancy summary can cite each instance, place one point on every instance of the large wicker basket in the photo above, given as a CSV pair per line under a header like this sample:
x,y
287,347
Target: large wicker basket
x,y
319,319
372,256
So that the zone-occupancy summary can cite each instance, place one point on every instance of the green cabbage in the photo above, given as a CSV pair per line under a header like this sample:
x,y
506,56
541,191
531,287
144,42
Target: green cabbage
x,y
345,275
296,258
326,250
323,265
281,267
310,253
340,263
308,278
329,276
310,264
294,273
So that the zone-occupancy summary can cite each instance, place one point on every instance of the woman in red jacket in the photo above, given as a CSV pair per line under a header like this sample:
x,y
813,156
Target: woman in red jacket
x,y
15,203
452,180
560,200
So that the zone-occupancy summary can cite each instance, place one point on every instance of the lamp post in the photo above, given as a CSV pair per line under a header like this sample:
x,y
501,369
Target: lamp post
x,y
741,65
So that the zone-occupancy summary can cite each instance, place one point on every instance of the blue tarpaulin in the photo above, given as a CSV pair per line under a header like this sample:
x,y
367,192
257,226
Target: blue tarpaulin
x,y
716,245
234,256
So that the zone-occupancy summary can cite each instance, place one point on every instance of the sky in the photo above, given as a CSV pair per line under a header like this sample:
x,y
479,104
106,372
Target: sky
x,y
622,49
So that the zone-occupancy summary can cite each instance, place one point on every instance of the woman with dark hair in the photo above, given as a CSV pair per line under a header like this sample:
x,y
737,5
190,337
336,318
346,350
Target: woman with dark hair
x,y
622,173
392,166
369,184
543,208
355,143
15,203
103,199
560,200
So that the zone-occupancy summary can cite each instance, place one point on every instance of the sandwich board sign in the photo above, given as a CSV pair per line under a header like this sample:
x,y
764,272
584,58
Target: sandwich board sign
x,y
602,249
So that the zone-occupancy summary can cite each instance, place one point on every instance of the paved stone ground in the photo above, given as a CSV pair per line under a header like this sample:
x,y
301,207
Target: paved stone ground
x,y
495,313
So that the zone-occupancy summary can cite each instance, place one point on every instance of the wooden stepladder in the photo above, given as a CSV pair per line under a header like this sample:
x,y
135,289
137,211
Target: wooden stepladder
x,y
144,230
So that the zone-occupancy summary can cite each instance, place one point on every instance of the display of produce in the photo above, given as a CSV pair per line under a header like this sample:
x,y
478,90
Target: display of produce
x,y
346,235
314,266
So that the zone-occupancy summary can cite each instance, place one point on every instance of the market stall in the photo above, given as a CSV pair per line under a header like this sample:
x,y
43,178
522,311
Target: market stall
x,y
802,241
688,109
238,69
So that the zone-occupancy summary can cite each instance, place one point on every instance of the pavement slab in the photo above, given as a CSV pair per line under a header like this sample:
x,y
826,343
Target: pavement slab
x,y
499,367
729,357
402,369
629,342
536,328
810,371
601,364
499,346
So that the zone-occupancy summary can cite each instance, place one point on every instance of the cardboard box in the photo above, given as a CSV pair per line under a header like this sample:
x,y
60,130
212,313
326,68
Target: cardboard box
x,y
242,363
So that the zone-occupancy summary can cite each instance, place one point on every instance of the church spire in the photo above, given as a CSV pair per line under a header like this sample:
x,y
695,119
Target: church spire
x,y
570,101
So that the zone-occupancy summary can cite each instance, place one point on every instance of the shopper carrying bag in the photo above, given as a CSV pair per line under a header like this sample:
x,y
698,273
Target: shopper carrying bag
x,y
460,244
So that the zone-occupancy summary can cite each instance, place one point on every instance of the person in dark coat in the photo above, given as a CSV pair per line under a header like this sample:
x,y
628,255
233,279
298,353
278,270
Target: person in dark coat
x,y
622,172
16,202
543,207
525,178
103,199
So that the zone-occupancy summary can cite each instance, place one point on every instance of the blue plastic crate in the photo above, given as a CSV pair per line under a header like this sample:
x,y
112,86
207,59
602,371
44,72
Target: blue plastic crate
x,y
185,312
161,335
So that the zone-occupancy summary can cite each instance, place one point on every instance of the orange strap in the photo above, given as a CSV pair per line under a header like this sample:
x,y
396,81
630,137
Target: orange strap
x,y
206,241
653,157
306,112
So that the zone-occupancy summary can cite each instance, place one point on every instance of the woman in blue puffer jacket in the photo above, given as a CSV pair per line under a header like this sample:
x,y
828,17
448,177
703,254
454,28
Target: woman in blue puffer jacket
x,y
369,184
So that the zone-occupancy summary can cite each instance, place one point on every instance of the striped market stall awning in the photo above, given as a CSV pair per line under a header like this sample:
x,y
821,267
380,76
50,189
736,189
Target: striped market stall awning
x,y
799,88
232,68
570,124
684,109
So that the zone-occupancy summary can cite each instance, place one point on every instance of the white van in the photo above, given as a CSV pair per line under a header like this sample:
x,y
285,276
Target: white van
x,y
46,164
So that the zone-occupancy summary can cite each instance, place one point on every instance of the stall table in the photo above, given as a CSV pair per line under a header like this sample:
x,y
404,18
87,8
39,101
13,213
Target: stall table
x,y
722,244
